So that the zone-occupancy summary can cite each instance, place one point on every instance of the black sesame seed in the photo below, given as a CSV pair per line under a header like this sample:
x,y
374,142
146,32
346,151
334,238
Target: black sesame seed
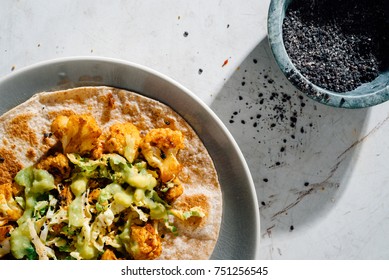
x,y
336,44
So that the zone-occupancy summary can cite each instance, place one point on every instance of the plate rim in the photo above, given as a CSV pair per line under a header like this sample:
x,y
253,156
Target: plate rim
x,y
102,59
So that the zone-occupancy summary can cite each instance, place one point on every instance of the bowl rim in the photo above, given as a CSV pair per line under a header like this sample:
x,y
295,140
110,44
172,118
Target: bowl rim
x,y
349,99
124,63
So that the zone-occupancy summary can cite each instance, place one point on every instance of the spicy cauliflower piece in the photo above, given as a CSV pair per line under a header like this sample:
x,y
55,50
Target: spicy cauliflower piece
x,y
147,243
5,235
93,196
171,190
108,255
78,133
57,165
9,208
160,148
124,139
65,196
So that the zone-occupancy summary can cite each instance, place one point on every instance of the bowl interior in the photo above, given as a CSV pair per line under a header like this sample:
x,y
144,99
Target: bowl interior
x,y
366,95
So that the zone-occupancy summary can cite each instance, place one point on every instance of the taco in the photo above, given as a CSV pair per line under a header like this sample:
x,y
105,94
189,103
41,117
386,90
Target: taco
x,y
104,173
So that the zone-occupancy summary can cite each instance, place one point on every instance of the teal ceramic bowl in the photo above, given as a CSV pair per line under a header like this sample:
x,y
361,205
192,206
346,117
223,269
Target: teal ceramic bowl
x,y
366,95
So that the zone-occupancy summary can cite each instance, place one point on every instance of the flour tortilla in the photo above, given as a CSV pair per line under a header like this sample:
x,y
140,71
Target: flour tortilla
x,y
26,137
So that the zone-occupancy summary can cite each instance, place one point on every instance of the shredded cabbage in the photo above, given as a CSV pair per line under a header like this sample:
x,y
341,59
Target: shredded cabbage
x,y
79,225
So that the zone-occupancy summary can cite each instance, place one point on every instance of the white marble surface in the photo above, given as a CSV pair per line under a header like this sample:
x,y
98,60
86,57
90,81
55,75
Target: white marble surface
x,y
322,183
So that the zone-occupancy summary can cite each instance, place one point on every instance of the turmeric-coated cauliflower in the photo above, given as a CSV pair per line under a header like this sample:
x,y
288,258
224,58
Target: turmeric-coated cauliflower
x,y
5,235
108,255
9,208
124,139
170,191
65,196
160,147
147,243
78,133
57,165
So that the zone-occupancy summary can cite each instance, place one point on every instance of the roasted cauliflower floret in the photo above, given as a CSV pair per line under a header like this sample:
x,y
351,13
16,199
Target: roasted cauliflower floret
x,y
9,208
77,133
57,165
65,196
108,255
171,190
124,139
147,243
5,235
94,195
160,148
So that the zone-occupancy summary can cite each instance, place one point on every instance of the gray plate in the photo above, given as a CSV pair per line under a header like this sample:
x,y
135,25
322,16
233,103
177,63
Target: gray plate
x,y
239,235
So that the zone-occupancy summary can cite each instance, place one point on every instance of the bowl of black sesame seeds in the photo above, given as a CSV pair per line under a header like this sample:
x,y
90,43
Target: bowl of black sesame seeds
x,y
334,51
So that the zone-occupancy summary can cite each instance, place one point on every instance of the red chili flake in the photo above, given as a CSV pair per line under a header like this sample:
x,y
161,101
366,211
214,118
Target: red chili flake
x,y
225,62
